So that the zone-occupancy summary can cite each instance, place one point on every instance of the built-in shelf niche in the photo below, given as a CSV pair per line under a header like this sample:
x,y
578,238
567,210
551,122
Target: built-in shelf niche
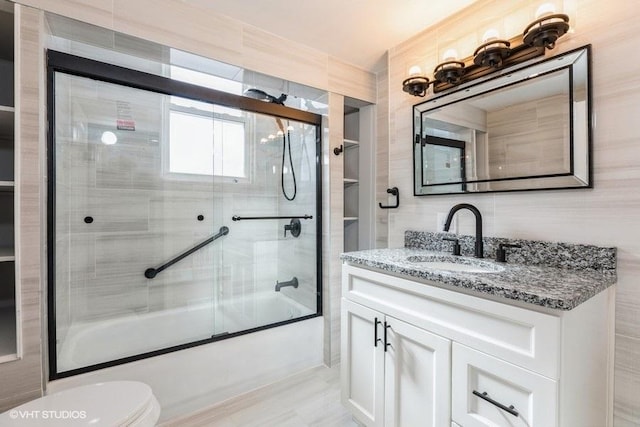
x,y
357,175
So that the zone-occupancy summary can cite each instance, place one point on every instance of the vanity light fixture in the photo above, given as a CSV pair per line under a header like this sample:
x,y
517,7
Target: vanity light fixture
x,y
417,83
494,53
547,28
451,70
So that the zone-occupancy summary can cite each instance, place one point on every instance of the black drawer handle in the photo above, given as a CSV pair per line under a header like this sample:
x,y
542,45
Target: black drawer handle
x,y
376,340
485,396
386,343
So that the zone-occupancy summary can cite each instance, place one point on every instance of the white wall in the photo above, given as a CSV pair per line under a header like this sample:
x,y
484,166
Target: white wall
x,y
606,215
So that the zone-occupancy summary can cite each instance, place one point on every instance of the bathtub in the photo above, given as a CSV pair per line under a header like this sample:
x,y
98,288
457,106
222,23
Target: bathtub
x,y
189,379
90,343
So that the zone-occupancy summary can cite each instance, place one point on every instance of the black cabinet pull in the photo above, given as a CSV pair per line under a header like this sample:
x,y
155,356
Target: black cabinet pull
x,y
386,342
337,150
376,340
485,396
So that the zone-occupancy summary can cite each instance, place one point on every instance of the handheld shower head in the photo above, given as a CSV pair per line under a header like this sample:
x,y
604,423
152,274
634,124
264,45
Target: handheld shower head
x,y
264,96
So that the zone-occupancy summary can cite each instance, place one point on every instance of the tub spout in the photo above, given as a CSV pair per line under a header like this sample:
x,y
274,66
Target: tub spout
x,y
293,282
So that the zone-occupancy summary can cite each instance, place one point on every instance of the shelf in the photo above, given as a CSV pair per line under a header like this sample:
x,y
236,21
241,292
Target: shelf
x,y
349,143
350,218
6,122
7,185
347,181
7,254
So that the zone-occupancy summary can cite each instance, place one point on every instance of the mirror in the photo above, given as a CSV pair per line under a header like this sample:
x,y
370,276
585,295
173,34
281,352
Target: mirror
x,y
522,128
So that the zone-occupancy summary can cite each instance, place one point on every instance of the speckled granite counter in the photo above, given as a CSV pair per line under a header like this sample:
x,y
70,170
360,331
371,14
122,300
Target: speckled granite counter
x,y
563,287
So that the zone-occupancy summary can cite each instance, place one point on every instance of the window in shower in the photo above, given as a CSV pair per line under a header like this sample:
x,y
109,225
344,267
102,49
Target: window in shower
x,y
168,225
197,136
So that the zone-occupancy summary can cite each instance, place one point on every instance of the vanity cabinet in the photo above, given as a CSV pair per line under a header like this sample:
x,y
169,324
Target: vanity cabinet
x,y
457,359
395,374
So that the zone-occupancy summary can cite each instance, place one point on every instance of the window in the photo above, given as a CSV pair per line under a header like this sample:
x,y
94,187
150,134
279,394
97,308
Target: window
x,y
206,139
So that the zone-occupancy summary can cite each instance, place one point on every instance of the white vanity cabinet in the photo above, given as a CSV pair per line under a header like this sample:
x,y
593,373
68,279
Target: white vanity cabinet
x,y
450,358
395,374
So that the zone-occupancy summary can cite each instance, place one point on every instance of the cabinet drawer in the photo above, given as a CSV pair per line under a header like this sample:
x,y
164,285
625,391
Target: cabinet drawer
x,y
524,337
481,383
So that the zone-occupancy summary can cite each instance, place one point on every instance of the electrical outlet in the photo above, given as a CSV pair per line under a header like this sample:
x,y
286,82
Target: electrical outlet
x,y
442,218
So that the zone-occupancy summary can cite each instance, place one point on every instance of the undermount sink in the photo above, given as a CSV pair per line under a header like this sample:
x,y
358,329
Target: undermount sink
x,y
449,263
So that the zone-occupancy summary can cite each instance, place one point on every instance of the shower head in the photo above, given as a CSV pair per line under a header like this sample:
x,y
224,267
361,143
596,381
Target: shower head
x,y
264,96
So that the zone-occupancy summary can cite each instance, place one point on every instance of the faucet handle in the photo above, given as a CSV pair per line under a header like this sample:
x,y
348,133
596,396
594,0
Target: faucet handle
x,y
501,252
456,244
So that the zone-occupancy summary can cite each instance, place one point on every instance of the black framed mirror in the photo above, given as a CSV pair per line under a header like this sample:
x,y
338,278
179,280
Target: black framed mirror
x,y
524,128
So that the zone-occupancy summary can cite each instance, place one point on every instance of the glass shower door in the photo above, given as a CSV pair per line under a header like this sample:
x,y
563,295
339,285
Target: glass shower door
x,y
178,215
132,194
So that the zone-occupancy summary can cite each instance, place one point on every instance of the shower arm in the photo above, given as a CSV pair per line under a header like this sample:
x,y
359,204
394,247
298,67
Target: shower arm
x,y
150,273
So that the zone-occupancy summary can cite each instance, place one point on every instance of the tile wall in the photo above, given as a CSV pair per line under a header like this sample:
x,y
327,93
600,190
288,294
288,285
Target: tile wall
x,y
606,215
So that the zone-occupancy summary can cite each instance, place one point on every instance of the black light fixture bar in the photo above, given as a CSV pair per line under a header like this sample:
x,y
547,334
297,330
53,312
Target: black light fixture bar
x,y
520,52
493,55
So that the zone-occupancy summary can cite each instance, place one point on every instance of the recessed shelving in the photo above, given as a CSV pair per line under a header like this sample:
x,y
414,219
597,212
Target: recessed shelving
x,y
8,309
350,218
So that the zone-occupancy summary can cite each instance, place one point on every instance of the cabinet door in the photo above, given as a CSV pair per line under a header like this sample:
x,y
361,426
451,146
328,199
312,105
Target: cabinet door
x,y
489,392
362,363
417,377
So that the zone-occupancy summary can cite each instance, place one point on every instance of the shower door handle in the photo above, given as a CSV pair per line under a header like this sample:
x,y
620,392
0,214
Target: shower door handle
x,y
150,273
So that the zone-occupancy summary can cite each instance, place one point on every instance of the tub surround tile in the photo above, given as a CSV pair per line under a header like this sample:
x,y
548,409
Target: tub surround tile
x,y
544,281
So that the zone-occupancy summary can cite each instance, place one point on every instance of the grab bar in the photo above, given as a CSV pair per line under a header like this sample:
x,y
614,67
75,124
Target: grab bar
x,y
244,218
150,273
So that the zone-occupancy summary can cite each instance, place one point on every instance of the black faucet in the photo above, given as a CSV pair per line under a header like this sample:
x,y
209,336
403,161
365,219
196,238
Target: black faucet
x,y
476,212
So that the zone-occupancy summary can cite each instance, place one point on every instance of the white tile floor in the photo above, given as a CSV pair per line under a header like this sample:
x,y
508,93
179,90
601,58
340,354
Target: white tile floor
x,y
311,398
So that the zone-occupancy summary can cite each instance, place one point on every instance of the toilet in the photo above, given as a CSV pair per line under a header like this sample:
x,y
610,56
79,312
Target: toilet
x,y
114,403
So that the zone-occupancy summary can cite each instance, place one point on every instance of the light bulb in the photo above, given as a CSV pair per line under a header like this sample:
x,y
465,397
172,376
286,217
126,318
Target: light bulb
x,y
490,34
450,55
415,71
108,138
545,9
280,133
272,136
263,140
289,128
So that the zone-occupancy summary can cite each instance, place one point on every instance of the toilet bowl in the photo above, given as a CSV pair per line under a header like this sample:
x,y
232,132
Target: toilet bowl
x,y
114,403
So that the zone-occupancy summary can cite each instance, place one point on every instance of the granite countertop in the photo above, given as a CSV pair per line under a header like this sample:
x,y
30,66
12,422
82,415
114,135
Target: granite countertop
x,y
553,287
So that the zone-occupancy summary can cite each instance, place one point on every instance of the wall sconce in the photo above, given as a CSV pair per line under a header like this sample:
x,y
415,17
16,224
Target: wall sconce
x,y
494,53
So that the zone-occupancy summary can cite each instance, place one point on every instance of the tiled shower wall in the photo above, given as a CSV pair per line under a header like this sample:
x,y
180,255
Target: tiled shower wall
x,y
606,215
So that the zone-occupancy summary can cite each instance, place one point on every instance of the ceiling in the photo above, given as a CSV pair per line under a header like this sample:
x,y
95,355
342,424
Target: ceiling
x,y
356,31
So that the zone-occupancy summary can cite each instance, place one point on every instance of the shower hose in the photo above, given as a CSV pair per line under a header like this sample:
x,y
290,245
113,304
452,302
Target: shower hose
x,y
293,172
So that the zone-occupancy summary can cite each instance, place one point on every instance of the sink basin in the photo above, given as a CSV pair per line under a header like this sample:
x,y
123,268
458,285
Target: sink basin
x,y
448,263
